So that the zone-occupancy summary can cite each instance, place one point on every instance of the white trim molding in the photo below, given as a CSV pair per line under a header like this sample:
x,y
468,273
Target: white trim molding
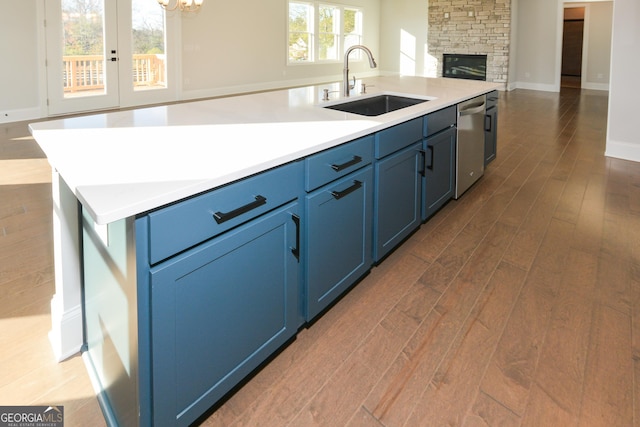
x,y
623,150
66,334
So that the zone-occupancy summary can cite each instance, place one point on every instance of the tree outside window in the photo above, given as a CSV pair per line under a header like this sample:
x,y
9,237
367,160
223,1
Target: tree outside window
x,y
322,32
300,23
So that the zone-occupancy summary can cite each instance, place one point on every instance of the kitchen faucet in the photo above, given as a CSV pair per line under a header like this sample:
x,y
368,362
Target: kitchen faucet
x,y
372,64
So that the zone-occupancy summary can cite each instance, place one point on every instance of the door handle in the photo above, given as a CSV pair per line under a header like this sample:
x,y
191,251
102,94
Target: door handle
x,y
343,166
488,123
472,110
221,217
340,194
423,171
430,167
296,251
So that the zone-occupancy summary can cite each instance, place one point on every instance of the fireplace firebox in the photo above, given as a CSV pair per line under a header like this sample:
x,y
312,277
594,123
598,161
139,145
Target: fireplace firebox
x,y
473,67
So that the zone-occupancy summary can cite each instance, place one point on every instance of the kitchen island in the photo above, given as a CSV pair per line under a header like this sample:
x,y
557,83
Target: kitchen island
x,y
139,175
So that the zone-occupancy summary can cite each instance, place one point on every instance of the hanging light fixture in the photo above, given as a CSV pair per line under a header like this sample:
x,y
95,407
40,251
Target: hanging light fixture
x,y
183,5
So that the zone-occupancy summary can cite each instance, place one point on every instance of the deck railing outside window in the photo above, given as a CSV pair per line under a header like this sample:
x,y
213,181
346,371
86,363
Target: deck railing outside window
x,y
86,72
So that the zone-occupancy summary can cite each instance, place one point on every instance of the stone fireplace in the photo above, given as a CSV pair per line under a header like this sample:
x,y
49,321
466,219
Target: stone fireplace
x,y
471,27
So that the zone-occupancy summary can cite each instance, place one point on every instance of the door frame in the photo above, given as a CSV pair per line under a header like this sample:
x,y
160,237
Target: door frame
x,y
585,40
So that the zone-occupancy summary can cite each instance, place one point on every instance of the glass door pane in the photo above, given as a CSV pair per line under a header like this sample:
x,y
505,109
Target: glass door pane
x,y
148,45
83,59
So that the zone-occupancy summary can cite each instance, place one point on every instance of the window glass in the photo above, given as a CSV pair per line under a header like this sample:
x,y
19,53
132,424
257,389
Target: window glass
x,y
352,28
83,49
300,36
148,45
329,32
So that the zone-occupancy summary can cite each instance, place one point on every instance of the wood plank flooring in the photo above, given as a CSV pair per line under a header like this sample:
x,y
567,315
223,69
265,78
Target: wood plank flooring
x,y
518,304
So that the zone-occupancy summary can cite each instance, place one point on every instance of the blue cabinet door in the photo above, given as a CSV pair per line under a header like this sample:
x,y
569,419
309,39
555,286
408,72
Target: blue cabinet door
x,y
338,238
397,198
490,135
439,172
219,310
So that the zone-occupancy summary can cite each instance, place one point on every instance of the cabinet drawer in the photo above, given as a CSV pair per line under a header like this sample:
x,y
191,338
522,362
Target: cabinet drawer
x,y
439,120
397,137
337,162
180,226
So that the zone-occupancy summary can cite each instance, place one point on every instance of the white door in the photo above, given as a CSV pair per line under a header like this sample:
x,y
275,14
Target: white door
x,y
104,54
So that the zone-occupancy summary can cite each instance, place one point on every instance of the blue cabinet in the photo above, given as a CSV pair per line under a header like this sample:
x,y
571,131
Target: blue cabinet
x,y
337,240
397,202
491,128
184,302
397,185
220,308
439,176
440,156
218,311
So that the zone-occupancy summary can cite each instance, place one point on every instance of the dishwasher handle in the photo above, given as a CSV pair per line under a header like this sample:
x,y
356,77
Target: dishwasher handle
x,y
473,109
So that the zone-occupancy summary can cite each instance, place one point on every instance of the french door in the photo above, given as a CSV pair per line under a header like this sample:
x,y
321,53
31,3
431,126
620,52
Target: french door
x,y
104,54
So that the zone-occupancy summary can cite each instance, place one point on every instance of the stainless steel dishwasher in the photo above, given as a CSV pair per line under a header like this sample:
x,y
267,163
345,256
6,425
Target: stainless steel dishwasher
x,y
470,145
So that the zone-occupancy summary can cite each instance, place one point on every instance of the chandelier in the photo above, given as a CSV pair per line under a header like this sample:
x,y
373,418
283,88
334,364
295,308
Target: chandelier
x,y
183,5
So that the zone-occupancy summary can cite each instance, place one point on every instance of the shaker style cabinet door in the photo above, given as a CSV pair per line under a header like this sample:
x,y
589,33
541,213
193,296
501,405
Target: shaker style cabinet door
x,y
397,198
439,180
219,310
338,248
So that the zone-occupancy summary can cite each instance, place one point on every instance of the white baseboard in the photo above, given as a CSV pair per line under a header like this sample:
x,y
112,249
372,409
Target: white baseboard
x,y
66,330
623,150
596,86
533,86
21,115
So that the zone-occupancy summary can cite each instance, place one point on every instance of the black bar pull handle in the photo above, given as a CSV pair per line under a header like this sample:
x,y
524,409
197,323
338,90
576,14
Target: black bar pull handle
x,y
487,123
221,217
354,161
296,251
423,171
340,194
430,167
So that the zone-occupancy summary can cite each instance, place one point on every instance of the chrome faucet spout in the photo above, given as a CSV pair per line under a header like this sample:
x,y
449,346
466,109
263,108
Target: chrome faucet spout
x,y
372,64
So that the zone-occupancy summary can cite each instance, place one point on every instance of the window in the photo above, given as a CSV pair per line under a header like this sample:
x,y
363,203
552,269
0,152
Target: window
x,y
300,35
328,32
321,32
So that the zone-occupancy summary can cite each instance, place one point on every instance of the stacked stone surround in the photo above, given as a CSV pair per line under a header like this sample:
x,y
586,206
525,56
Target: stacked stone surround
x,y
486,32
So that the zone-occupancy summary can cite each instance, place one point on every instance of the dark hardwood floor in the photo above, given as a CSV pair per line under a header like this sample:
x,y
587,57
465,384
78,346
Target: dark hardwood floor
x,y
518,304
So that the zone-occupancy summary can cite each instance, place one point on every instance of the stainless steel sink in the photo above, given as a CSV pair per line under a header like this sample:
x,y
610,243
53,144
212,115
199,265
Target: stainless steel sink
x,y
376,105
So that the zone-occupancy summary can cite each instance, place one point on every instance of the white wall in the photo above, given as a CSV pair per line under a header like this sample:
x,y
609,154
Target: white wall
x,y
536,64
403,44
598,46
513,46
20,47
257,58
623,136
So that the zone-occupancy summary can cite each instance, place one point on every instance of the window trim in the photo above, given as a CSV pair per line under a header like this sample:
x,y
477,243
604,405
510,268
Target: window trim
x,y
314,32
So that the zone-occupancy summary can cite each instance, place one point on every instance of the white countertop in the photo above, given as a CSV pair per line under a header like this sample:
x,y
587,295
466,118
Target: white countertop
x,y
124,163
